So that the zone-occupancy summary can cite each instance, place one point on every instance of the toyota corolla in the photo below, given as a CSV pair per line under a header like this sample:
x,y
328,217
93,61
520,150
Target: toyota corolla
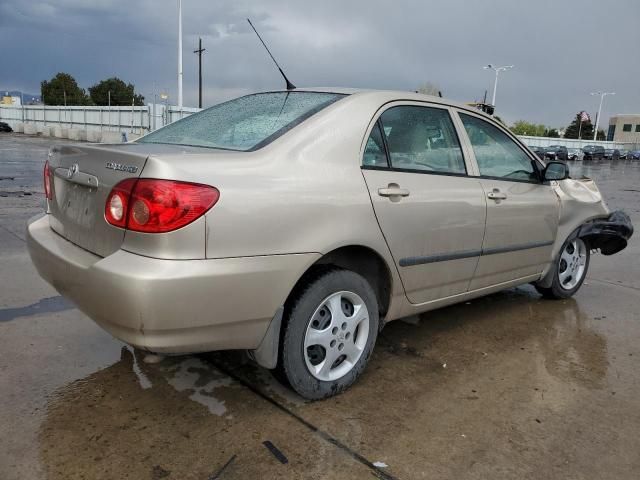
x,y
296,224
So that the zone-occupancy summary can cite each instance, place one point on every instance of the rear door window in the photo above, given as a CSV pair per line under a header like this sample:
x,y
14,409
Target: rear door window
x,y
422,139
374,152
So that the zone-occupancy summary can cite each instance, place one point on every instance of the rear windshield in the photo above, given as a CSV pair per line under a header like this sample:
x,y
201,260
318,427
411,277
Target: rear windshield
x,y
245,123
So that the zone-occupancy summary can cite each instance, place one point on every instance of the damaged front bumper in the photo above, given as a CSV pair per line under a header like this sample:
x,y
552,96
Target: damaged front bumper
x,y
610,235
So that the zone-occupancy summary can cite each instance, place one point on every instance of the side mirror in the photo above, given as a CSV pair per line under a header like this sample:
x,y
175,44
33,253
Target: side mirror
x,y
555,171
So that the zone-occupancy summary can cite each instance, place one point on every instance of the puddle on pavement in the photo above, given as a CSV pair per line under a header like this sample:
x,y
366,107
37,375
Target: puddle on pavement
x,y
200,380
181,418
45,305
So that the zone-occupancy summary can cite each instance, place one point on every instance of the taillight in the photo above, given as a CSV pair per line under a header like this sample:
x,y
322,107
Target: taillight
x,y
157,206
47,181
115,210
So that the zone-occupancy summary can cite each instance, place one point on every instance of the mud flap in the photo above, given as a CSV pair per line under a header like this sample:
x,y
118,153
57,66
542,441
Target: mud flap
x,y
609,235
266,355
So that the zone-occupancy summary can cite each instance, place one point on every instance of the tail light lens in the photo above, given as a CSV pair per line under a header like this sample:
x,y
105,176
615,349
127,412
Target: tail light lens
x,y
47,181
157,206
115,210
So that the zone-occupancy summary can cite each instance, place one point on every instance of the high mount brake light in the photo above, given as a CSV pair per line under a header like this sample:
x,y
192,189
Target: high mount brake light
x,y
47,181
157,206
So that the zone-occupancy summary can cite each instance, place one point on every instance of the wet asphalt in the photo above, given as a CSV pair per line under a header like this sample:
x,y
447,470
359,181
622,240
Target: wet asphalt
x,y
507,386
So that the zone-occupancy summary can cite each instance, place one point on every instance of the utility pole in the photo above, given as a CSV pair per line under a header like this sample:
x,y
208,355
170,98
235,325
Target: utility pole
x,y
180,55
199,52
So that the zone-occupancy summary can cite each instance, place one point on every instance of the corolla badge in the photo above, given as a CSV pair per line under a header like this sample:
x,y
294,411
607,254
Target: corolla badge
x,y
121,167
73,169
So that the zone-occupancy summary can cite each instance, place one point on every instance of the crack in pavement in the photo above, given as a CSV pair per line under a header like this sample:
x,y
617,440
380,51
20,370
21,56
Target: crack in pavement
x,y
615,284
376,471
10,232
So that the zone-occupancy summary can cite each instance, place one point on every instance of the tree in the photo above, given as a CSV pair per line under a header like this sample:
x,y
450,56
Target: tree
x,y
552,133
429,88
573,130
601,135
63,90
522,127
121,93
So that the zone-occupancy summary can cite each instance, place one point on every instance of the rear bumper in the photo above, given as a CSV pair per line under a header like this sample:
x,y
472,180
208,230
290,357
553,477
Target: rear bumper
x,y
169,306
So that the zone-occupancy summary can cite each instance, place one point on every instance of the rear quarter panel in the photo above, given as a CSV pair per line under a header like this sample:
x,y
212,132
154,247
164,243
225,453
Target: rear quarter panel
x,y
304,193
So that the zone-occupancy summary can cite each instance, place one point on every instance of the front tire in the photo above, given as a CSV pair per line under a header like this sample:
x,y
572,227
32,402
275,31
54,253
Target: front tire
x,y
329,334
571,269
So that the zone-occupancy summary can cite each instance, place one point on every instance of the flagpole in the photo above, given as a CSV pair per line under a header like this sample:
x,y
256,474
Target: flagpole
x,y
580,130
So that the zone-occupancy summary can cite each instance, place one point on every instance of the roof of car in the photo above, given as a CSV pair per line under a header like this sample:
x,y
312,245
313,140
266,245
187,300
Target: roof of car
x,y
391,95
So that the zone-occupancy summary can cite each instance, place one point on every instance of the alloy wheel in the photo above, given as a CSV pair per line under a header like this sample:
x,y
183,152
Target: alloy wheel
x,y
572,264
336,336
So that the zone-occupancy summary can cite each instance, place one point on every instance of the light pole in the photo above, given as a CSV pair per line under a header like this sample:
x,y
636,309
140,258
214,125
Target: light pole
x,y
180,54
602,95
495,83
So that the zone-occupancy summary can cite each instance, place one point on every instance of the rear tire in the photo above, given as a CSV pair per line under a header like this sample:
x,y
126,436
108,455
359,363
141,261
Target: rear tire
x,y
571,269
328,334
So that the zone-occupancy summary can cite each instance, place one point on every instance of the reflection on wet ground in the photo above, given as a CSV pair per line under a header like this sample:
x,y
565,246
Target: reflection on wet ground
x,y
44,305
507,386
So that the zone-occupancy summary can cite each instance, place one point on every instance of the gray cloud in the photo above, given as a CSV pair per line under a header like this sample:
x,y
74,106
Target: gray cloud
x,y
561,50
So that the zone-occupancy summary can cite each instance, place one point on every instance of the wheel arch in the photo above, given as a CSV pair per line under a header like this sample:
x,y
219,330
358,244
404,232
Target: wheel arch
x,y
362,260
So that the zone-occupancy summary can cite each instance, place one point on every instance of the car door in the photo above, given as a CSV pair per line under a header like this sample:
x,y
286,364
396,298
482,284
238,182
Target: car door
x,y
522,212
432,214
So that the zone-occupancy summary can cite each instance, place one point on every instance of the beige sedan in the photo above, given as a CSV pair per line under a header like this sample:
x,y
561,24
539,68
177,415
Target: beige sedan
x,y
296,224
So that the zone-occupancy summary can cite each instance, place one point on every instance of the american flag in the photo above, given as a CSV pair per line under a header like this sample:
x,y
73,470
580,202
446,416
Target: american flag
x,y
584,117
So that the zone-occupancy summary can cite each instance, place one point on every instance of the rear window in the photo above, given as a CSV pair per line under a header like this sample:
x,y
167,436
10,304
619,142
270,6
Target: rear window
x,y
245,123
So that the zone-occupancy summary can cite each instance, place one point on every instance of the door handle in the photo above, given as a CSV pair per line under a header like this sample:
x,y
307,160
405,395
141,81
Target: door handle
x,y
393,190
496,194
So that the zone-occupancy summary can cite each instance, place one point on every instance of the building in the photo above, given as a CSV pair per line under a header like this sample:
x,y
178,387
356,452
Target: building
x,y
10,100
624,128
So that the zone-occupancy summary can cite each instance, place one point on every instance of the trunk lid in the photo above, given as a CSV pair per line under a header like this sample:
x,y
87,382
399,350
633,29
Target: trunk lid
x,y
82,178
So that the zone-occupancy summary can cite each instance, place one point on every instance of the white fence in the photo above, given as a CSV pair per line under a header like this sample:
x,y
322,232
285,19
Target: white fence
x,y
139,120
573,143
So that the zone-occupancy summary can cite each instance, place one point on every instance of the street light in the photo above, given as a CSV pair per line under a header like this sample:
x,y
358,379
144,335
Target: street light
x,y
495,83
602,95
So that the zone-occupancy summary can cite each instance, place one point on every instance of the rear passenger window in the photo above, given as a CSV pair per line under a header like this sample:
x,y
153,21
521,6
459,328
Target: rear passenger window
x,y
422,138
497,154
374,154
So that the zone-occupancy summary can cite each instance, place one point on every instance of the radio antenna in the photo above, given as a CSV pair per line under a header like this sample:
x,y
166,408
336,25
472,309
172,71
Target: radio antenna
x,y
290,86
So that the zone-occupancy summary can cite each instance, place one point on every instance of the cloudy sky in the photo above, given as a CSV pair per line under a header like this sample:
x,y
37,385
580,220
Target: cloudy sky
x,y
562,50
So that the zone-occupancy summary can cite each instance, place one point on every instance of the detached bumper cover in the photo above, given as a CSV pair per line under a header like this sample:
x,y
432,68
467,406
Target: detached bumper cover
x,y
610,235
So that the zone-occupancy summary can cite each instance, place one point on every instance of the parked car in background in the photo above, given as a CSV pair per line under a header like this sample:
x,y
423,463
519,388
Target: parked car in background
x,y
593,152
4,127
539,151
634,155
296,224
575,154
556,152
612,154
623,153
